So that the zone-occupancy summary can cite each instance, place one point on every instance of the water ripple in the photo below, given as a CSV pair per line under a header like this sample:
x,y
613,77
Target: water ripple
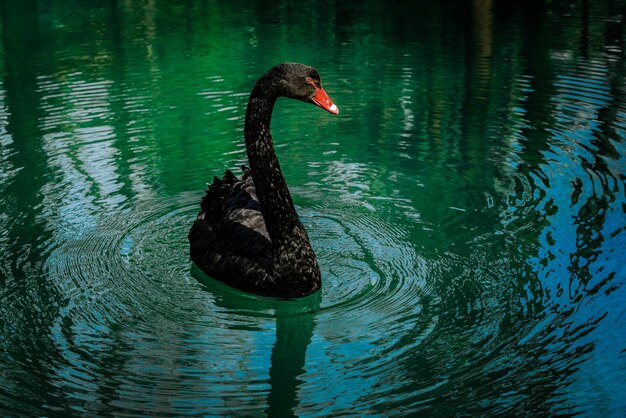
x,y
466,207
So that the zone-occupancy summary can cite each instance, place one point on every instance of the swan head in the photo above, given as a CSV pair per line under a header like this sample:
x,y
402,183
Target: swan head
x,y
301,82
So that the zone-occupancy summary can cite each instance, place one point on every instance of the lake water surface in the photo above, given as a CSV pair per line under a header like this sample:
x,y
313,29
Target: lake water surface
x,y
467,207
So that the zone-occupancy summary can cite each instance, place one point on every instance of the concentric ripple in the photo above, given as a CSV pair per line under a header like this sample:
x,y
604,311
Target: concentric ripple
x,y
466,207
132,298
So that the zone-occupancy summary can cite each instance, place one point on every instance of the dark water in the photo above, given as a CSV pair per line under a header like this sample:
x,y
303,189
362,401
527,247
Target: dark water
x,y
467,208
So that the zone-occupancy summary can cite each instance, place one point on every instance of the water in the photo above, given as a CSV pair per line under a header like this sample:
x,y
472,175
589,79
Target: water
x,y
467,209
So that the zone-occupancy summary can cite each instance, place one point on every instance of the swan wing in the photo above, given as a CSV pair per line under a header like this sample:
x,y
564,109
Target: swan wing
x,y
229,240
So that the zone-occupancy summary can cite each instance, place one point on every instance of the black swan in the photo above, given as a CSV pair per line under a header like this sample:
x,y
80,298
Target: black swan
x,y
248,234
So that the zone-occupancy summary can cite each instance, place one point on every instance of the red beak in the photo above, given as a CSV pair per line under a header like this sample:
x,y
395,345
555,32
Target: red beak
x,y
322,100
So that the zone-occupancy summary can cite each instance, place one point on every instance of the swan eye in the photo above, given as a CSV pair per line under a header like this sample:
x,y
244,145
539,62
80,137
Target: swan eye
x,y
309,80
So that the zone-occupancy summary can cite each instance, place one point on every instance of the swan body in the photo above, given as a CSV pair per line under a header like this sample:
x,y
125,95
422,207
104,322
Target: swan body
x,y
247,233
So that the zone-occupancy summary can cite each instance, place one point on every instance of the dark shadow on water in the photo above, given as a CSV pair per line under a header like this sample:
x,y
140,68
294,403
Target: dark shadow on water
x,y
293,336
294,330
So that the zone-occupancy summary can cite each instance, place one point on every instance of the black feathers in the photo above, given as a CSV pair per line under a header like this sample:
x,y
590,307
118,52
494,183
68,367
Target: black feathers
x,y
258,244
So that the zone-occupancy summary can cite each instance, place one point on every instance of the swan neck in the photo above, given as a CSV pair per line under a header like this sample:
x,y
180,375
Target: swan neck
x,y
294,264
275,200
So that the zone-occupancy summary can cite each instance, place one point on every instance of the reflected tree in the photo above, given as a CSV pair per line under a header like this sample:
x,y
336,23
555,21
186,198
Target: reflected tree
x,y
31,303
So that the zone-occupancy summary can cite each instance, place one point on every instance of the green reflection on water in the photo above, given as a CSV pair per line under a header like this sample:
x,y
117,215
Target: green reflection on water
x,y
467,208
